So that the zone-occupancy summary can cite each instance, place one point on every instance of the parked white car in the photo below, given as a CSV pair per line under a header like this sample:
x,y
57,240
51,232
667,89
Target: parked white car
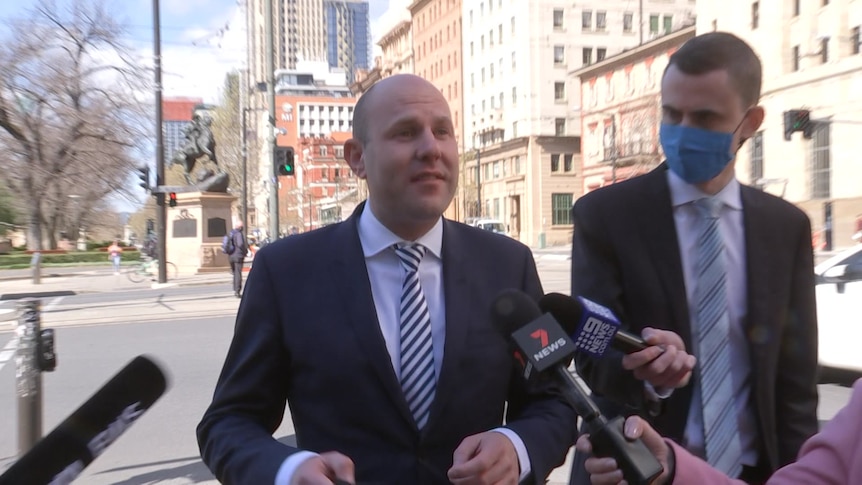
x,y
839,310
492,225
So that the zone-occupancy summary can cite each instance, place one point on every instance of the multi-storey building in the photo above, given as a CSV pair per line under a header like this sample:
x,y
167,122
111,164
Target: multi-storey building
x,y
312,103
348,35
517,109
396,45
812,58
326,189
176,116
620,103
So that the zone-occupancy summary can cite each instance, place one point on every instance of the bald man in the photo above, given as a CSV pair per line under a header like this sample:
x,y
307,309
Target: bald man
x,y
379,395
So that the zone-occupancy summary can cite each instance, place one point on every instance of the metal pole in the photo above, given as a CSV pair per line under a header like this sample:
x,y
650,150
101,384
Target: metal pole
x,y
28,379
244,127
270,138
161,216
479,182
641,21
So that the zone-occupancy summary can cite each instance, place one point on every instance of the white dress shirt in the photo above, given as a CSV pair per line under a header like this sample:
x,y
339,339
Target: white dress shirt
x,y
685,217
386,277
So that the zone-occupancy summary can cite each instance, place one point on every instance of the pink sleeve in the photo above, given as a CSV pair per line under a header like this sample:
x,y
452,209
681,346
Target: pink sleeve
x,y
691,469
828,457
832,456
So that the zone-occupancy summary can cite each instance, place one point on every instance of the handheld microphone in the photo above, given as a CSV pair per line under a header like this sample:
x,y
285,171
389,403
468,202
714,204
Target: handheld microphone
x,y
62,455
597,328
542,344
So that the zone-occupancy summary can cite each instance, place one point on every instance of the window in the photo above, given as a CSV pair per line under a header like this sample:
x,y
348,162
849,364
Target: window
x,y
561,209
587,54
567,162
558,18
514,129
500,34
323,150
601,53
491,36
559,55
513,26
514,96
472,79
756,155
795,59
587,20
601,20
796,7
491,67
501,100
824,50
517,168
628,17
560,127
854,39
819,165
555,162
668,23
755,14
471,49
513,61
560,91
653,24
483,75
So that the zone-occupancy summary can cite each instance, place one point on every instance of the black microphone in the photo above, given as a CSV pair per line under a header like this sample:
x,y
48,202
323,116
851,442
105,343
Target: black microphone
x,y
62,455
596,326
542,344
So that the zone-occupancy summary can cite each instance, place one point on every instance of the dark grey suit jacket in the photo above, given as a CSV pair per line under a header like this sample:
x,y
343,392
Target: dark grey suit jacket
x,y
307,334
625,255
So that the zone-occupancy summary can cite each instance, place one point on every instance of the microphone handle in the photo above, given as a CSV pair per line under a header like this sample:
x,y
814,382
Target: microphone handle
x,y
636,461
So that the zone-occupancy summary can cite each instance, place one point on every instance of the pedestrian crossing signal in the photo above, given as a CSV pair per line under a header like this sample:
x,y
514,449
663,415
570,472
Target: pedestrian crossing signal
x,y
172,199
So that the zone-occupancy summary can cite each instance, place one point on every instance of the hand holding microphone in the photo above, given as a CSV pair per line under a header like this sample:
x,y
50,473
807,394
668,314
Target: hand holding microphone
x,y
542,345
659,359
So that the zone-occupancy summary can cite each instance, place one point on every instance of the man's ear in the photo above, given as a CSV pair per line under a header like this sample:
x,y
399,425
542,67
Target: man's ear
x,y
752,122
353,151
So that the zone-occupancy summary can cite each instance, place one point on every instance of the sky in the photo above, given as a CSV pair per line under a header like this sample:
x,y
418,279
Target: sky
x,y
202,40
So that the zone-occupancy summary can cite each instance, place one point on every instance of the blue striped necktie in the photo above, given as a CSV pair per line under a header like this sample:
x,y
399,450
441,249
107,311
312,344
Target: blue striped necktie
x,y
712,331
417,355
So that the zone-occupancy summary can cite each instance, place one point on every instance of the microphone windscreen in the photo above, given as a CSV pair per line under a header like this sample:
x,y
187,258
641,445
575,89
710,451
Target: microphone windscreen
x,y
512,309
60,456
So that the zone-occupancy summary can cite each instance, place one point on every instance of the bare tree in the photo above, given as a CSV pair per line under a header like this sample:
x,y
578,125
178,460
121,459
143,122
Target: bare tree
x,y
69,114
227,130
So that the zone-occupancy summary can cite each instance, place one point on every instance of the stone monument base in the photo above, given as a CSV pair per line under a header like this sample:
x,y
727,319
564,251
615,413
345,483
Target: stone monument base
x,y
195,229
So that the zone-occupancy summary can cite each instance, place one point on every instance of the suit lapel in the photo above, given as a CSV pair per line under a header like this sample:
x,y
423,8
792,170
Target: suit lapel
x,y
350,278
658,230
457,302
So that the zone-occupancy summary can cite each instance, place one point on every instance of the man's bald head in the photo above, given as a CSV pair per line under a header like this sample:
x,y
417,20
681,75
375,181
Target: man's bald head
x,y
368,99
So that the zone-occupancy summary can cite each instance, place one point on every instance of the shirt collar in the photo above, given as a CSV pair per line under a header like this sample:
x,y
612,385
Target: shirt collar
x,y
375,237
682,193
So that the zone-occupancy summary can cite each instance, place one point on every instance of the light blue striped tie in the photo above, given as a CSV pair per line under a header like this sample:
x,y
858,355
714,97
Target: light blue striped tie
x,y
417,354
720,424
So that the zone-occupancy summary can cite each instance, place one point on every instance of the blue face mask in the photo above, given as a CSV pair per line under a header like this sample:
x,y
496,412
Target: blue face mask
x,y
695,155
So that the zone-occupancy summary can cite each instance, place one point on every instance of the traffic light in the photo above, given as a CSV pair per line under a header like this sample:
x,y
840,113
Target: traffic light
x,y
798,120
172,199
144,175
284,161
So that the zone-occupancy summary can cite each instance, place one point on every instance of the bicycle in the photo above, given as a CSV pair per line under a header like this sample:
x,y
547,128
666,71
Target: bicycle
x,y
149,268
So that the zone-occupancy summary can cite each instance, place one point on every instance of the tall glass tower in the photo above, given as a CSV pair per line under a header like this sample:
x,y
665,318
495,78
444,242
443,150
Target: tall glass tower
x,y
348,35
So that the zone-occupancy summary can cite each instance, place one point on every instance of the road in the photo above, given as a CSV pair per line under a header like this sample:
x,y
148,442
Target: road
x,y
187,330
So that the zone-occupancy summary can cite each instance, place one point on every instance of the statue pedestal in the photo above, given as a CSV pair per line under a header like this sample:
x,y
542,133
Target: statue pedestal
x,y
195,229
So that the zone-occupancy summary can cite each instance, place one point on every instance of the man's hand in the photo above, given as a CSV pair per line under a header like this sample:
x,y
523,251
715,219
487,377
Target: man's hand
x,y
487,458
324,470
604,470
665,364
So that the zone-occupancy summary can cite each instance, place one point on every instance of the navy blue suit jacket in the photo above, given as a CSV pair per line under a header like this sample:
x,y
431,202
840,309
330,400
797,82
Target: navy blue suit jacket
x,y
307,334
625,255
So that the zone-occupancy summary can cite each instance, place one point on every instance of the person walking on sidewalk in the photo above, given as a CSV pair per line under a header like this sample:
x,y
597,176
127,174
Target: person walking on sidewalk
x,y
236,247
114,250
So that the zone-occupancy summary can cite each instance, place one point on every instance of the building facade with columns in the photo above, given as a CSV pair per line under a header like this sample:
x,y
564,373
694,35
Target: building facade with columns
x,y
811,61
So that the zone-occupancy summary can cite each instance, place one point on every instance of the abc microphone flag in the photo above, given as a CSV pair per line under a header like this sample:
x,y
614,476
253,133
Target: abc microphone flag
x,y
59,457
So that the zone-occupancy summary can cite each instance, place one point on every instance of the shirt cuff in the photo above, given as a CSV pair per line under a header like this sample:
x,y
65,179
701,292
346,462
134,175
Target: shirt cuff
x,y
288,467
520,449
654,394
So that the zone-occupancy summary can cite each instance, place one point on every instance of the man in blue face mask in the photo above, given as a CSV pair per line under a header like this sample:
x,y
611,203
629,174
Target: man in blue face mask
x,y
717,276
